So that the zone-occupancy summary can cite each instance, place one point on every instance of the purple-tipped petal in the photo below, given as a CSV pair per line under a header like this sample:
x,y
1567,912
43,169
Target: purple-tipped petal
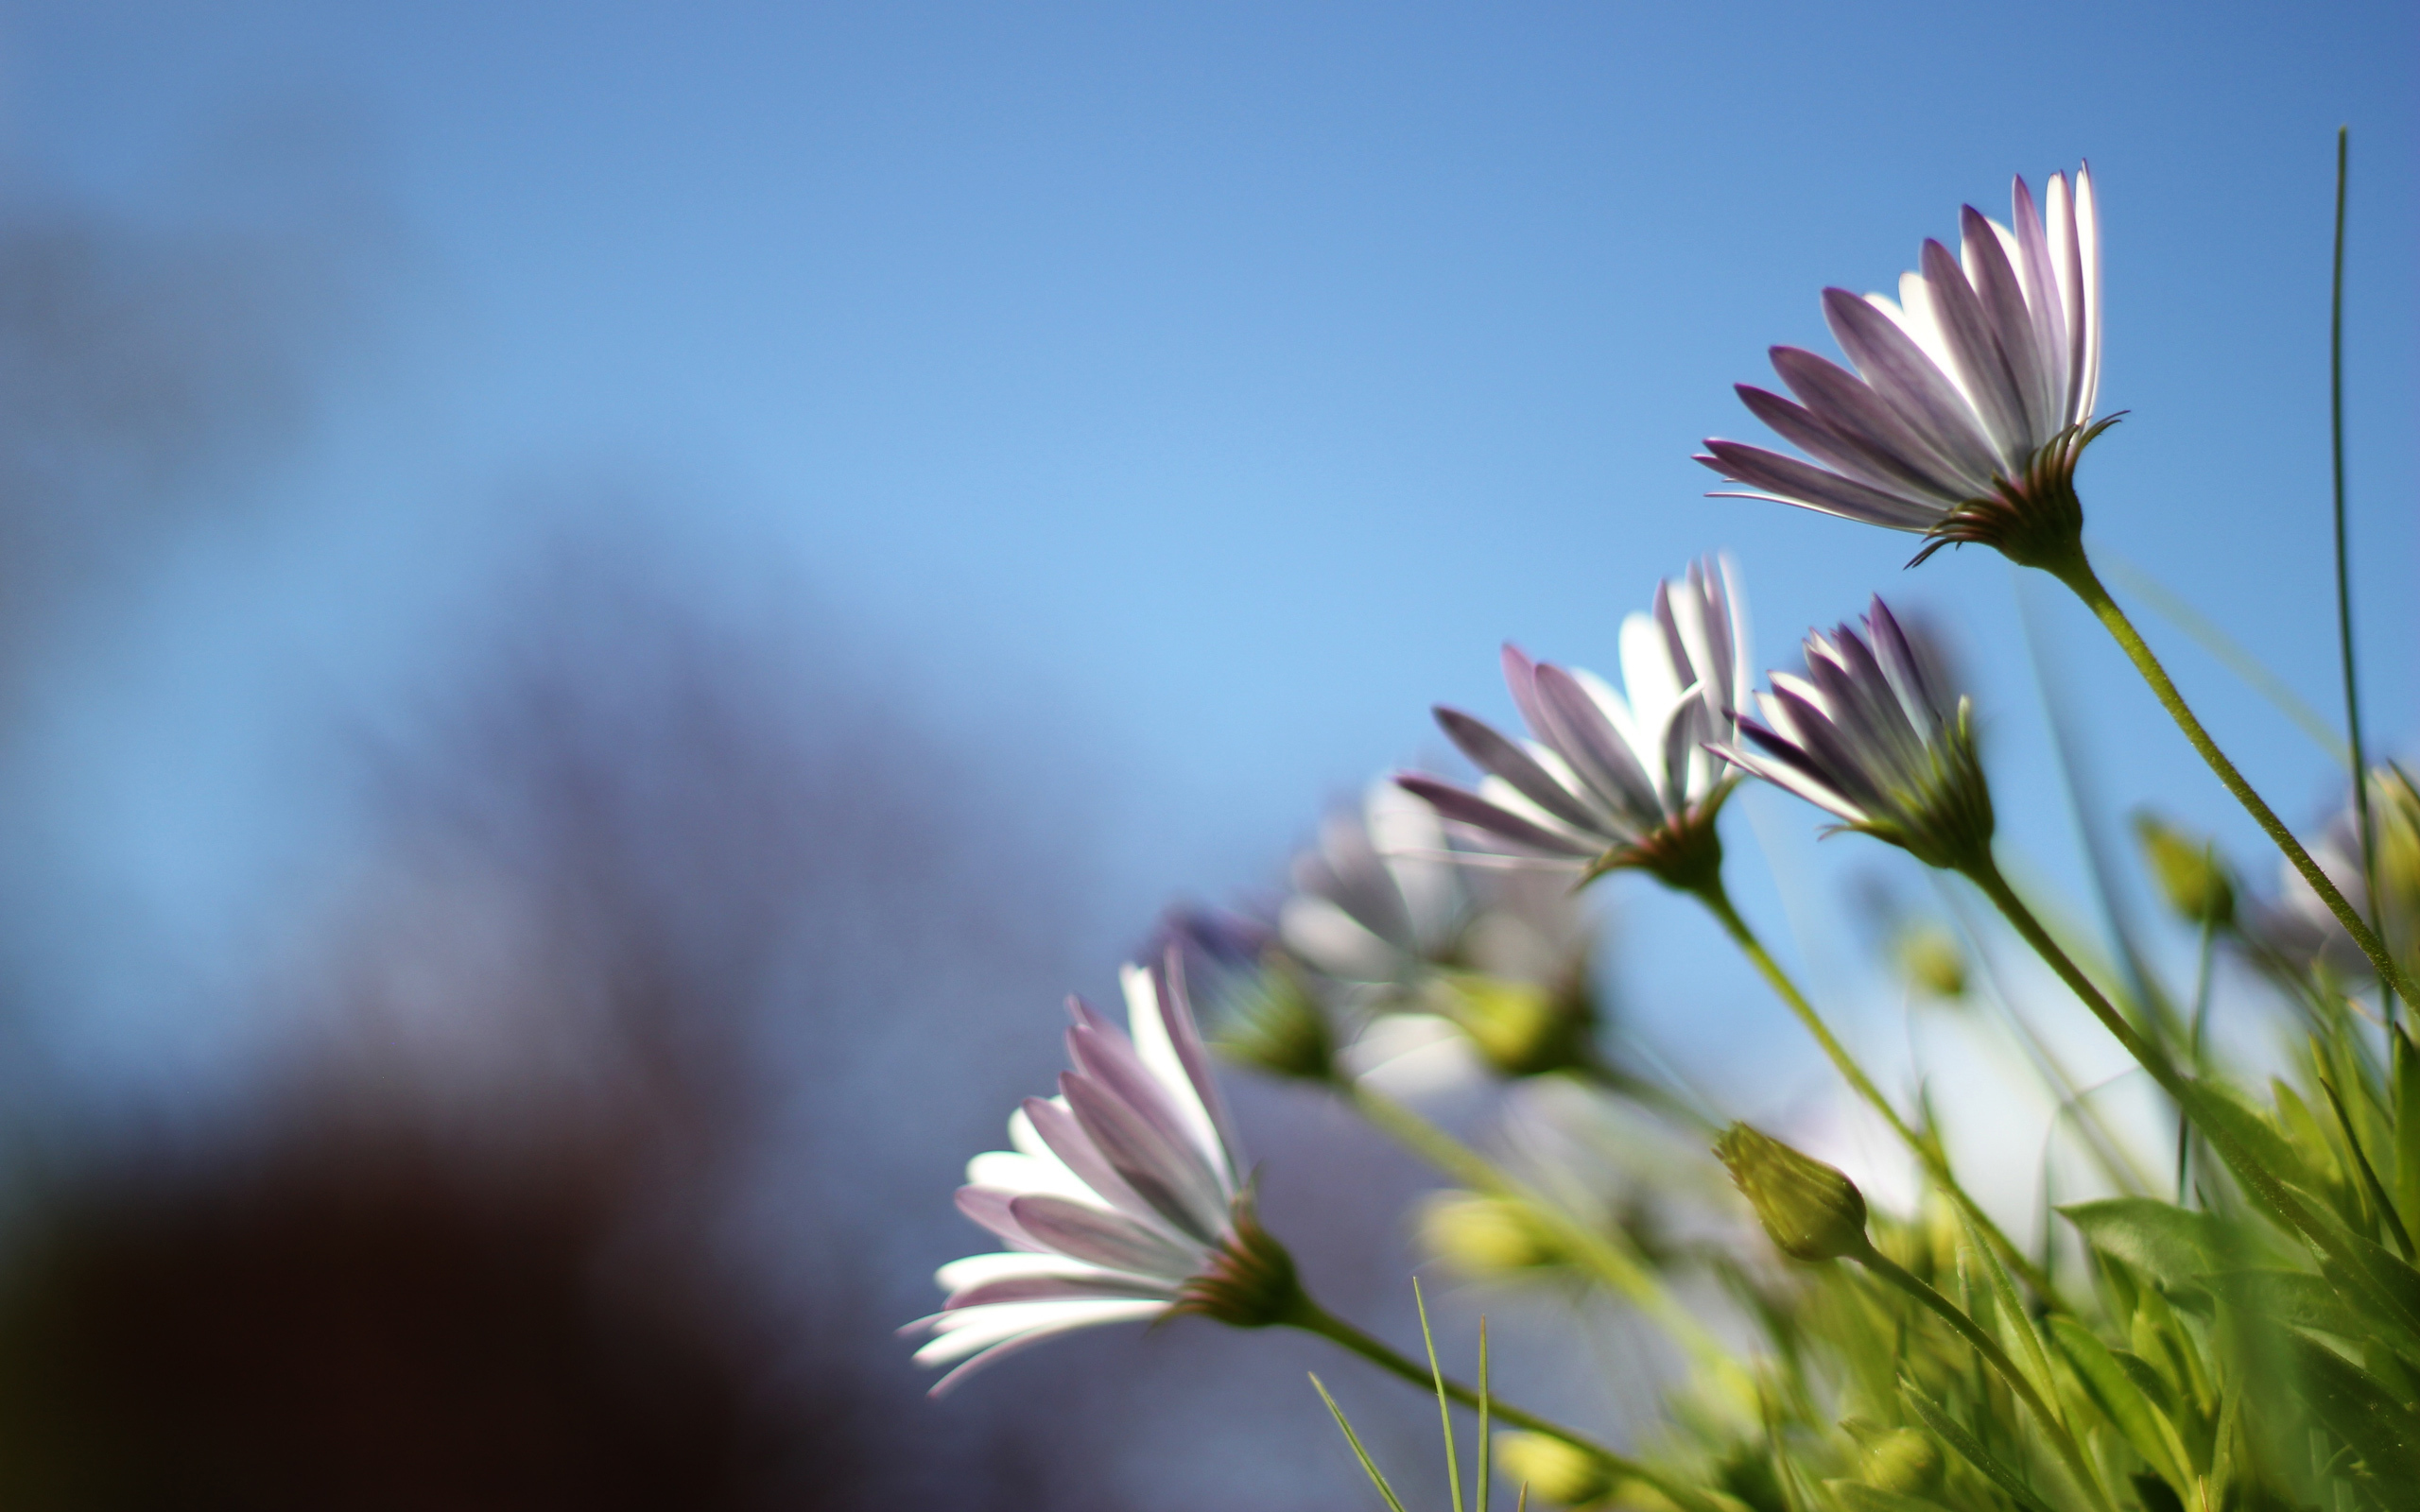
x,y
1849,406
2001,298
1844,452
1148,1149
989,1206
1521,680
1908,380
1065,1138
1966,331
1492,752
1100,1238
1580,734
1812,488
2042,301
1469,808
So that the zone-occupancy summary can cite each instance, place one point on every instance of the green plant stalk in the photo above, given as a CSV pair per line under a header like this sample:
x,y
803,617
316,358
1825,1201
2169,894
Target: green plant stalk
x,y
2344,558
1718,902
2079,577
1613,1264
1986,874
1967,1328
1310,1317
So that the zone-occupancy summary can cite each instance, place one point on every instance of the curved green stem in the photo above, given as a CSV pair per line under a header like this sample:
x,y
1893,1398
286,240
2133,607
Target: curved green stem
x,y
1936,1163
2343,556
1989,1347
1587,1247
1312,1318
2264,1183
2079,577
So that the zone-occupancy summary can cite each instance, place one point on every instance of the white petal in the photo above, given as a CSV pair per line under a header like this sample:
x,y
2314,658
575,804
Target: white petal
x,y
1149,1032
1409,836
969,1330
1648,678
974,1270
1334,942
1019,1172
2088,243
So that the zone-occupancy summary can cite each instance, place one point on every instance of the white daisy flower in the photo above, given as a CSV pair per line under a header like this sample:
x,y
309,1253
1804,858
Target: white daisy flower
x,y
1973,395
1614,778
1869,736
1121,1199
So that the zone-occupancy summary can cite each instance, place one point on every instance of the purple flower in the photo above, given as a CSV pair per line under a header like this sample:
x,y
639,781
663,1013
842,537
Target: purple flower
x,y
1973,395
1867,735
1607,780
1121,1198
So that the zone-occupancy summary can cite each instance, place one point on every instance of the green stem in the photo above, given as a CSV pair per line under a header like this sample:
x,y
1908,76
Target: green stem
x,y
1586,1245
1312,1318
2263,1183
2343,557
1989,1347
2078,575
1936,1163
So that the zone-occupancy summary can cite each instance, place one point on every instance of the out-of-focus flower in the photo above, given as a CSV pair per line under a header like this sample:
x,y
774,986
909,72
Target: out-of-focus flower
x,y
2190,875
1930,959
1379,902
1973,395
1122,1199
1562,1473
2299,928
1812,1211
1384,921
1609,780
1867,736
1484,1236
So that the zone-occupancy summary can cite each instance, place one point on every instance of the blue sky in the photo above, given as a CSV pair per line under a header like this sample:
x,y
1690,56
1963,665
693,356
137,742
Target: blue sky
x,y
1206,390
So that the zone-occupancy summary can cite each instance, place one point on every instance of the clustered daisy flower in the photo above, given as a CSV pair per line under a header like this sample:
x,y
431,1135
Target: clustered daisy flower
x,y
1973,394
1869,736
1121,1199
1608,781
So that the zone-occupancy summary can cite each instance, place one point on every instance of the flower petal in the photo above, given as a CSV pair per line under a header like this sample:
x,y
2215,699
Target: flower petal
x,y
1796,482
1100,1238
1469,808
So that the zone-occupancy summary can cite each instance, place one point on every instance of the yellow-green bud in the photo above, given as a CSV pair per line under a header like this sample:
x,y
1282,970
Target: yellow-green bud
x,y
2188,871
1811,1210
1483,1236
1928,957
1906,1460
1554,1471
1520,1028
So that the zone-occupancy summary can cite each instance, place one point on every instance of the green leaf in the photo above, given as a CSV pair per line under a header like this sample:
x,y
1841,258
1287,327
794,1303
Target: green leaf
x,y
2384,1432
2014,1319
2121,1399
1953,1432
2169,1244
2294,1298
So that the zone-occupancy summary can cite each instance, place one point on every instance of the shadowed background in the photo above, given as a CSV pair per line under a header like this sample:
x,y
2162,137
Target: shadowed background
x,y
600,606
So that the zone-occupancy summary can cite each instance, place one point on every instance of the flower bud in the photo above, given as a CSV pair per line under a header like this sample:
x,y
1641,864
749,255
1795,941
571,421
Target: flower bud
x,y
2190,876
1928,956
1519,1028
1811,1210
1484,1236
1553,1470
